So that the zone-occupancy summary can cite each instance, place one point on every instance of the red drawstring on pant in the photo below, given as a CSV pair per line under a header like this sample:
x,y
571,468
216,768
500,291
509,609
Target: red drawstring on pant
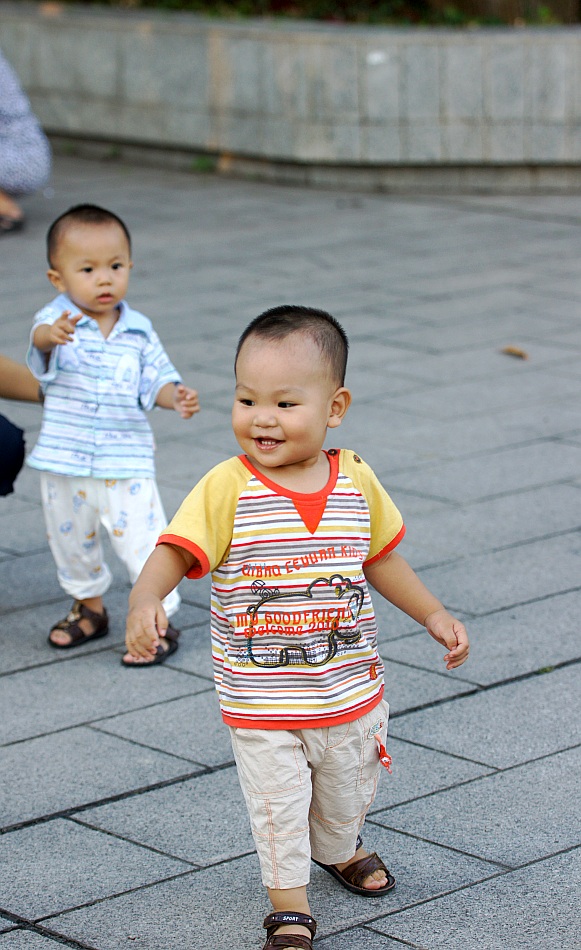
x,y
384,756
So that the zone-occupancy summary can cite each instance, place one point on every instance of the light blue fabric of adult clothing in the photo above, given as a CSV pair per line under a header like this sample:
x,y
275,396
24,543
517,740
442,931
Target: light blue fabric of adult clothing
x,y
25,156
96,391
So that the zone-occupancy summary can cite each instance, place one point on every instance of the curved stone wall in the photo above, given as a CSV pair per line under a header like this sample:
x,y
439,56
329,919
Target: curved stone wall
x,y
302,93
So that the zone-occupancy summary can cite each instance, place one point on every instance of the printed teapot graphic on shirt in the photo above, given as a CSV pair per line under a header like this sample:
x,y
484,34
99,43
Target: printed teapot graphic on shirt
x,y
324,616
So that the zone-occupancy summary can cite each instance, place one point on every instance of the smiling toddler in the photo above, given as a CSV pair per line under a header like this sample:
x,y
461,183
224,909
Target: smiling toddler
x,y
293,536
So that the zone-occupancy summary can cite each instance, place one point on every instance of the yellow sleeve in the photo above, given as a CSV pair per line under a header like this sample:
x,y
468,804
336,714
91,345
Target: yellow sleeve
x,y
203,523
387,527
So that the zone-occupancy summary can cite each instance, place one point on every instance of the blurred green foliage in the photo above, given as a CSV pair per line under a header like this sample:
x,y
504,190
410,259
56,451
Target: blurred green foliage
x,y
387,12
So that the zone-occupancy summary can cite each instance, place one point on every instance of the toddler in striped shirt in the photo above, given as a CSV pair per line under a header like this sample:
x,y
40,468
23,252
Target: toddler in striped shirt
x,y
293,536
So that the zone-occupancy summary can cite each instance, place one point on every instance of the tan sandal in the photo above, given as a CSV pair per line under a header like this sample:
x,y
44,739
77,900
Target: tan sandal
x,y
280,941
70,624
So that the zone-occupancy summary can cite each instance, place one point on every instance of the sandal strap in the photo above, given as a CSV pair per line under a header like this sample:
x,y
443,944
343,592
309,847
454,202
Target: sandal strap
x,y
356,872
172,634
282,941
78,612
282,917
91,615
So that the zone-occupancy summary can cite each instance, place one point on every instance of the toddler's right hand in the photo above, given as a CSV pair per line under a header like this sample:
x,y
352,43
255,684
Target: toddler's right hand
x,y
62,330
146,623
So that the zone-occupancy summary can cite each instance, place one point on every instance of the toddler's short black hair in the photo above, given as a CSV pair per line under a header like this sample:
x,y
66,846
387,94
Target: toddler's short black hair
x,y
80,214
325,330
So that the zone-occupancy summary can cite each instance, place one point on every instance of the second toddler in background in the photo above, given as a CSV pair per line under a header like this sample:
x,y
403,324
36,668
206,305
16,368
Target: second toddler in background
x,y
101,365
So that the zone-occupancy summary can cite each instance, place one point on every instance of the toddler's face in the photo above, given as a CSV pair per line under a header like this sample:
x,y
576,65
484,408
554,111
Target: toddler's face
x,y
284,402
92,265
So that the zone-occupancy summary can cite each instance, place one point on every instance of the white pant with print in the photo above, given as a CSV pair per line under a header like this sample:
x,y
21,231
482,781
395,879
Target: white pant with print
x,y
129,509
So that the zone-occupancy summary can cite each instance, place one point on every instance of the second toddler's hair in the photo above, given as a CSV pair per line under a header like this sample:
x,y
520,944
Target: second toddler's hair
x,y
325,330
80,214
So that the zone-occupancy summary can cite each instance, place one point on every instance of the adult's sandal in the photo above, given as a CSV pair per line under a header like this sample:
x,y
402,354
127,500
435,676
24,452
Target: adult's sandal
x,y
282,918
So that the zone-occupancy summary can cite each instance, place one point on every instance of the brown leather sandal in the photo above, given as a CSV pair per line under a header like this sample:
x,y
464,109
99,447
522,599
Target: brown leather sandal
x,y
280,941
70,625
354,874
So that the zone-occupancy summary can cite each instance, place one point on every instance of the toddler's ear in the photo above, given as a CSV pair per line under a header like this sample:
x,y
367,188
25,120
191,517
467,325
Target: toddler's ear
x,y
339,406
55,279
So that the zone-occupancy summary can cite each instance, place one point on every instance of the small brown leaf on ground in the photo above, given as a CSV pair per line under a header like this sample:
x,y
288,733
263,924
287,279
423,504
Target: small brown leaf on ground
x,y
516,352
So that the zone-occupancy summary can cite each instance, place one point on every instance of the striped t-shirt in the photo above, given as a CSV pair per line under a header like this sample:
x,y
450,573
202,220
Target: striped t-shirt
x,y
95,394
294,635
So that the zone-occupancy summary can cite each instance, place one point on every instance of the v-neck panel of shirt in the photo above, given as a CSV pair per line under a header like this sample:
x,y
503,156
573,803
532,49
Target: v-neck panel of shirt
x,y
309,505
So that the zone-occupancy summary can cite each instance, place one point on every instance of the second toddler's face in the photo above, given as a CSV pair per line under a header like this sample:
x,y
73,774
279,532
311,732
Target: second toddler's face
x,y
92,265
285,401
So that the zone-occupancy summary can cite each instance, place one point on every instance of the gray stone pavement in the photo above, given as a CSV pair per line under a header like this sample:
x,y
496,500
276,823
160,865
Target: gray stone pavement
x,y
123,820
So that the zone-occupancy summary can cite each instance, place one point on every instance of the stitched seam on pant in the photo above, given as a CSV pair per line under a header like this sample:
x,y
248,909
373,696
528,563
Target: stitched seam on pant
x,y
271,839
296,744
339,824
340,739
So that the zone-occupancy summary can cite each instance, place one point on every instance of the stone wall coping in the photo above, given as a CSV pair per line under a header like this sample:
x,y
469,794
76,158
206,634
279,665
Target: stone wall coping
x,y
298,94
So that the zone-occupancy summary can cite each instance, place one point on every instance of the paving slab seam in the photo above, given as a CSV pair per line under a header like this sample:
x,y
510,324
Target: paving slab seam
x,y
564,440
417,666
416,413
208,679
26,925
141,844
436,896
552,218
122,893
11,553
163,854
91,650
91,723
144,887
149,747
468,886
398,940
120,796
502,867
533,540
493,769
526,603
377,933
479,687
194,603
484,687
46,602
160,702
480,499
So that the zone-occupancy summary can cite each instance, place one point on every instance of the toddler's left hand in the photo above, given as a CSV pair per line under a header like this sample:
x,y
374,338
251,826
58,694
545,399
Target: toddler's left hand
x,y
451,633
185,401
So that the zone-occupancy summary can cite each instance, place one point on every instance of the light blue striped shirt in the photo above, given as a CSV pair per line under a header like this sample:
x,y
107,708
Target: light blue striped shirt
x,y
96,392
